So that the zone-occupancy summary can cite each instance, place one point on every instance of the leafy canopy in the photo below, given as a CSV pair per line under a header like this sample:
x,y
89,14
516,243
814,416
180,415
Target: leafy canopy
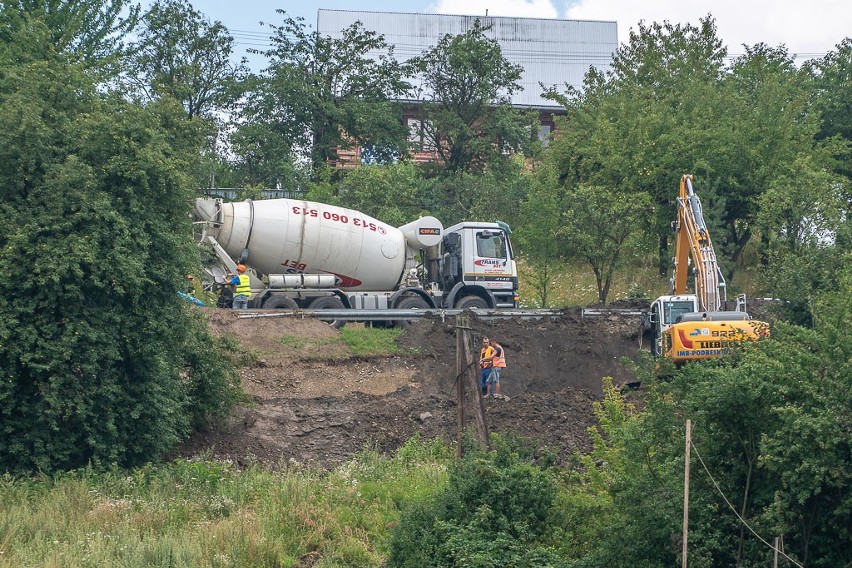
x,y
320,93
181,54
466,112
100,361
89,31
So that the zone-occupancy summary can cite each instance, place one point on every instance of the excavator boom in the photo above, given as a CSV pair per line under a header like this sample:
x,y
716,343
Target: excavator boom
x,y
693,242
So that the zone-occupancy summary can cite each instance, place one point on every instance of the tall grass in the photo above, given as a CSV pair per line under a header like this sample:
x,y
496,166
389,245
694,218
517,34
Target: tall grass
x,y
200,513
573,284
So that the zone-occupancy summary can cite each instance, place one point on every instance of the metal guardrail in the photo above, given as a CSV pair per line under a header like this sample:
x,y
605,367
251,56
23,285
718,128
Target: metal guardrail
x,y
401,315
605,312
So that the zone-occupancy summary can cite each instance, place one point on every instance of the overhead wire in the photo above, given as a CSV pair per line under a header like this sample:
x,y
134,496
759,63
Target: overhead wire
x,y
742,520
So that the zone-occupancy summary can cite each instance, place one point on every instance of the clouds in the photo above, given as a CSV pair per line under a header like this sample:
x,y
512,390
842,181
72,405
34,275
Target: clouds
x,y
807,28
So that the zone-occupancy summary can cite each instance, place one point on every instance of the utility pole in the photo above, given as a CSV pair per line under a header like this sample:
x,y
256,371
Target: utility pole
x,y
686,492
466,371
462,322
478,406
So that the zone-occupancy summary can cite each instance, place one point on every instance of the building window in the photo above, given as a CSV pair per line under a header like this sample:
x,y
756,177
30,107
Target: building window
x,y
544,133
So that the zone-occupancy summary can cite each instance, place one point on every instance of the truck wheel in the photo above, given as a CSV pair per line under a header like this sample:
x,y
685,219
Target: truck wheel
x,y
280,303
471,302
411,303
329,303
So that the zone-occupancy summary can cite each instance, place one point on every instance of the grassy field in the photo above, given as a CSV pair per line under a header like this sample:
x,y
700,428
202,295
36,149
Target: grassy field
x,y
200,513
573,284
360,341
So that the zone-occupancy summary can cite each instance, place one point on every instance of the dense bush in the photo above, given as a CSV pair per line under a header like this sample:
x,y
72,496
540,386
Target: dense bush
x,y
771,456
496,510
101,361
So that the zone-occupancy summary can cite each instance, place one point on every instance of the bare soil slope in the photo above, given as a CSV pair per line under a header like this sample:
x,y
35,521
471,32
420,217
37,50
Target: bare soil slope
x,y
315,402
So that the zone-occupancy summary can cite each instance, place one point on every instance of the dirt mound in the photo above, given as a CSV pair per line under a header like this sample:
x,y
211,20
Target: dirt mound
x,y
313,401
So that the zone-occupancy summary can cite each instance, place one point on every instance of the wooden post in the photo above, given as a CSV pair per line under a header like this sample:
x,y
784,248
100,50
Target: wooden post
x,y
775,546
686,491
474,378
461,375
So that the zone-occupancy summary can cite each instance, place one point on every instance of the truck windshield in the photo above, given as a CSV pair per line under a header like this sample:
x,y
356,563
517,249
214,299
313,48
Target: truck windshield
x,y
673,310
490,244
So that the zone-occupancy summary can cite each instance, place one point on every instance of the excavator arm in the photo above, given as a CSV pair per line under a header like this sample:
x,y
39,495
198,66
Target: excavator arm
x,y
693,243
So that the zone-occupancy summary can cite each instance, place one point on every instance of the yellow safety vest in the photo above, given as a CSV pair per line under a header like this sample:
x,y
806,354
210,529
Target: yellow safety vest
x,y
486,353
244,287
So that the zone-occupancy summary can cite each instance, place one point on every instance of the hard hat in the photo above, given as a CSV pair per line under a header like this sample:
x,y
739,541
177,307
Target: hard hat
x,y
241,267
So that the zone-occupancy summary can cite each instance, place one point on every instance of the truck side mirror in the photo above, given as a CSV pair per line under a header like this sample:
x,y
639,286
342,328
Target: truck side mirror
x,y
451,240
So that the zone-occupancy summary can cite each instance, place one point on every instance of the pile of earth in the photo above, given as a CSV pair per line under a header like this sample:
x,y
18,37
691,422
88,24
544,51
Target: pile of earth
x,y
317,403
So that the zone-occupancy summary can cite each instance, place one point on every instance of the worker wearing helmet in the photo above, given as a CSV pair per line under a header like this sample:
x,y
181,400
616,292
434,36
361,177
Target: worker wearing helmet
x,y
242,288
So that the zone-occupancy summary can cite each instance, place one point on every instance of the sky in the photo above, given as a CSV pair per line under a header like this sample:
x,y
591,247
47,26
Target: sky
x,y
809,29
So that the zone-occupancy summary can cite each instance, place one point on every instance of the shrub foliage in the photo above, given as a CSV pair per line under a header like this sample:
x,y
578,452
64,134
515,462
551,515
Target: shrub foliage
x,y
497,509
101,361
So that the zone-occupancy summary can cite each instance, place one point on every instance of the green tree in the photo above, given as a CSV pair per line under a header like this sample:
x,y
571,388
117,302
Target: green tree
x,y
771,454
652,118
320,93
181,54
391,193
263,155
538,238
767,100
466,111
603,227
101,361
804,220
91,31
831,76
490,195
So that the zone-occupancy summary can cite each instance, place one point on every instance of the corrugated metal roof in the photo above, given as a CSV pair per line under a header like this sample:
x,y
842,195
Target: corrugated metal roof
x,y
552,52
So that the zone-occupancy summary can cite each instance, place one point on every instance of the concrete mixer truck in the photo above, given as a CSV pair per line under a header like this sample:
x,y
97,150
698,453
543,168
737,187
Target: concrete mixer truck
x,y
302,254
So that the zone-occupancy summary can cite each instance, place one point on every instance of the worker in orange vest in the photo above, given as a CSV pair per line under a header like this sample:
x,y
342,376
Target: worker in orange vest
x,y
498,364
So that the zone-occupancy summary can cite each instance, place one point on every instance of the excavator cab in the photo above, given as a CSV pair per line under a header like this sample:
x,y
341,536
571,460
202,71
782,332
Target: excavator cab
x,y
665,312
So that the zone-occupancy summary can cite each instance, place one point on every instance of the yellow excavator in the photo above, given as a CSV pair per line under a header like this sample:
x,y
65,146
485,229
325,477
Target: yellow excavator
x,y
688,327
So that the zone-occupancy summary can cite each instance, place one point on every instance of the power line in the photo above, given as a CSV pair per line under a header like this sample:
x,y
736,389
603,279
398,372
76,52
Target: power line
x,y
742,520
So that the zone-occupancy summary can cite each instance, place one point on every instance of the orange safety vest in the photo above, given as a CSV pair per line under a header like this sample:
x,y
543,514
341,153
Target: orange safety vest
x,y
499,356
486,353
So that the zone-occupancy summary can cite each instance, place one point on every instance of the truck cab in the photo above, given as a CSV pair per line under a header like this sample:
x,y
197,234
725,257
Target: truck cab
x,y
477,266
